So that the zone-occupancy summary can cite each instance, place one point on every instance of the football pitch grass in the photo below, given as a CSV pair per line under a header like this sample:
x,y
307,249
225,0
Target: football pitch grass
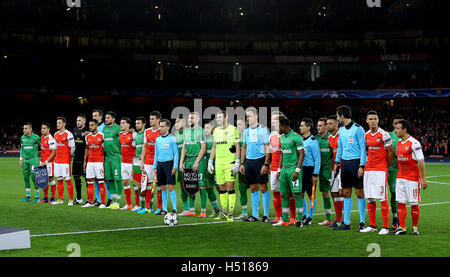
x,y
108,233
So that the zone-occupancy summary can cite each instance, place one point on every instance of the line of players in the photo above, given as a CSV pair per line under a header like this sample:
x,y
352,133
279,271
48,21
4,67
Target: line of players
x,y
337,159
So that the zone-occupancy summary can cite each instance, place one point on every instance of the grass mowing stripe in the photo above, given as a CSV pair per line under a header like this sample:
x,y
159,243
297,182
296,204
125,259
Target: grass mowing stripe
x,y
424,204
180,225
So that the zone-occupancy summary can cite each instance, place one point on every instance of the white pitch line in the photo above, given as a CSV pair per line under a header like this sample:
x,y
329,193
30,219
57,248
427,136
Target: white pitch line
x,y
448,184
126,229
437,176
180,225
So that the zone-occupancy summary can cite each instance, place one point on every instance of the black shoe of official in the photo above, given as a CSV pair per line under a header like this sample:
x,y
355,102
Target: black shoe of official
x,y
307,221
75,202
361,226
299,224
342,227
251,219
265,219
96,203
161,213
108,203
303,218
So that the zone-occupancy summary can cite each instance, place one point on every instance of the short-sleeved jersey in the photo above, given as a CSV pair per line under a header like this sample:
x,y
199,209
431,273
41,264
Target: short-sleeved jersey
x,y
209,144
241,138
64,144
326,152
312,153
334,140
255,140
80,143
95,144
395,139
290,143
179,140
139,141
166,150
275,148
48,144
225,138
128,146
193,139
376,150
409,152
100,127
29,146
112,147
150,136
351,144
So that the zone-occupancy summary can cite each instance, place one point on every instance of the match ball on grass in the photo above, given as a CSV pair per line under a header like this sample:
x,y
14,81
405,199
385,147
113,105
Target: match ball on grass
x,y
171,219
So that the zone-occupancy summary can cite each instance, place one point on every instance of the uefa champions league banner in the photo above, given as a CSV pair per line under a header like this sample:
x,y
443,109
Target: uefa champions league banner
x,y
242,94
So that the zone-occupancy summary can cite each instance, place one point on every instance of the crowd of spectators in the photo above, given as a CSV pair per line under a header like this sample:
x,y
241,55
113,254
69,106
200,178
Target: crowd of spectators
x,y
429,125
10,134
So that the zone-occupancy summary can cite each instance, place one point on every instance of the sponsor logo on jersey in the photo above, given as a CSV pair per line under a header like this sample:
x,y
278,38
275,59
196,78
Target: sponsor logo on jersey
x,y
221,142
287,151
28,147
374,147
108,139
326,150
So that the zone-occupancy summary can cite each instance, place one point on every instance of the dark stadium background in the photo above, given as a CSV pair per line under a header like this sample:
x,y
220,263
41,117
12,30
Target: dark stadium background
x,y
123,55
